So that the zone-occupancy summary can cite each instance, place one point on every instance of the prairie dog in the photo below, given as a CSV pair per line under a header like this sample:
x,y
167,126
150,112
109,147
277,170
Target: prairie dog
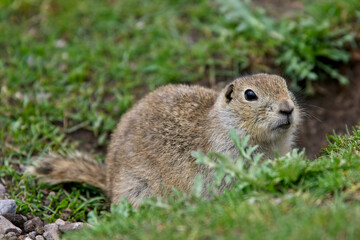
x,y
150,150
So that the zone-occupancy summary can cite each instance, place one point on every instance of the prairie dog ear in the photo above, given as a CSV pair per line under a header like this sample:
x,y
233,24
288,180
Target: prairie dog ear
x,y
229,93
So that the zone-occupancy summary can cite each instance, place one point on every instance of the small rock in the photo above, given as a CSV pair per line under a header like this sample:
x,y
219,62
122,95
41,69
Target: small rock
x,y
2,191
6,226
39,237
71,227
51,231
16,219
60,222
10,235
34,224
32,234
28,238
7,206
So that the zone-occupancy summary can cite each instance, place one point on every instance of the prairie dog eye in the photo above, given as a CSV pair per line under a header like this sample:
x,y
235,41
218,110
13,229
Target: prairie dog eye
x,y
250,95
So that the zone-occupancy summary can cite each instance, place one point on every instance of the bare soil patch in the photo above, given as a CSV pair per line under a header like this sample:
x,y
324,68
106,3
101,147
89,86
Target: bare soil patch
x,y
334,108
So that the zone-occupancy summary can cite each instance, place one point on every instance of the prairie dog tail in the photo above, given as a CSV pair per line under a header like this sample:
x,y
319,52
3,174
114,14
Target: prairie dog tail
x,y
75,167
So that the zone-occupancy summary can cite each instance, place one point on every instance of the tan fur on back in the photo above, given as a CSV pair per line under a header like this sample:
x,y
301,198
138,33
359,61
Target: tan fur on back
x,y
150,150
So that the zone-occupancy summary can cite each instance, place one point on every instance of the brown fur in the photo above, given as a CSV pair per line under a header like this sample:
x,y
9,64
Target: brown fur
x,y
150,150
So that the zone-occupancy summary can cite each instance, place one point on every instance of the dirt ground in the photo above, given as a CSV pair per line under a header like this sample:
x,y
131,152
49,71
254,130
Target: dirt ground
x,y
333,109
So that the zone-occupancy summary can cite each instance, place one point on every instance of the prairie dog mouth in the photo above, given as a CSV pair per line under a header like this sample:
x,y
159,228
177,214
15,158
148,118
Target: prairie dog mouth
x,y
284,124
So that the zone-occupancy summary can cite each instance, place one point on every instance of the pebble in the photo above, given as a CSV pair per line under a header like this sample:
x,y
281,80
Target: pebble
x,y
2,191
12,224
32,234
7,206
51,231
10,235
60,222
6,226
67,227
39,237
34,224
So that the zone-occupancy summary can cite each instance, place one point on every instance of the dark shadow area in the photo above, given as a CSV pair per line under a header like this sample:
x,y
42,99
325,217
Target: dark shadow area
x,y
333,108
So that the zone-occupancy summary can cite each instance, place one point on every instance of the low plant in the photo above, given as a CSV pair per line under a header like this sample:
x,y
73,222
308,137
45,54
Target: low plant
x,y
306,46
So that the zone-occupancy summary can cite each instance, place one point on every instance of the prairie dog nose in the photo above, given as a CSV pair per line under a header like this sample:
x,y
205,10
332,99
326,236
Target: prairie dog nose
x,y
286,106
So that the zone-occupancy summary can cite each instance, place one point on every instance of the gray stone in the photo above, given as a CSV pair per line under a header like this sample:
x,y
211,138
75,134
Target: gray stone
x,y
2,191
32,234
39,237
10,235
34,224
6,226
7,206
71,227
28,238
60,222
51,231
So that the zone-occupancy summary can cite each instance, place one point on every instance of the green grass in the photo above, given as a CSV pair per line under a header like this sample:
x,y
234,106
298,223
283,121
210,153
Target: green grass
x,y
69,67
71,201
293,218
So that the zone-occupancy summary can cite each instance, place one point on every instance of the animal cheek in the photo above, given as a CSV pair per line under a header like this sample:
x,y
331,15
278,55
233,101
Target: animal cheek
x,y
263,127
271,108
258,124
268,121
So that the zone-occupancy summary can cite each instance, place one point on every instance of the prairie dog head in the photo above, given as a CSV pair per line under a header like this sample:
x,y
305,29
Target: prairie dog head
x,y
261,106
